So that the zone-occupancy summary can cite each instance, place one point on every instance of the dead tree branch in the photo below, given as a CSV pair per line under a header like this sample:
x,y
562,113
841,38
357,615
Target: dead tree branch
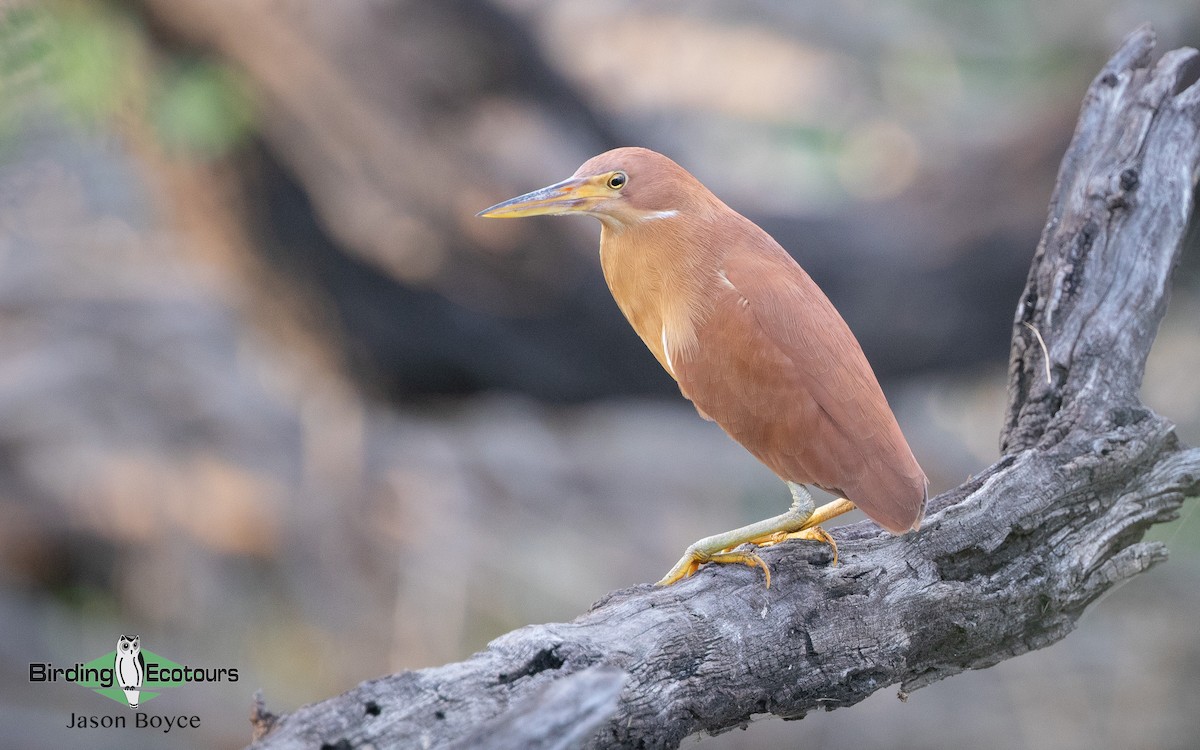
x,y
1005,563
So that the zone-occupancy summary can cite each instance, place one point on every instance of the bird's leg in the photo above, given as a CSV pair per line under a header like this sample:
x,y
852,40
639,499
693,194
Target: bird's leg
x,y
811,530
796,523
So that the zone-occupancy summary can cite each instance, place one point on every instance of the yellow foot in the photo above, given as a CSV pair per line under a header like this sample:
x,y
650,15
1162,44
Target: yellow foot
x,y
813,534
799,522
693,559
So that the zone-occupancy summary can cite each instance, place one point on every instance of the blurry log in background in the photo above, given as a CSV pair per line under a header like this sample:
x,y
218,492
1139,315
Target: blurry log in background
x,y
271,396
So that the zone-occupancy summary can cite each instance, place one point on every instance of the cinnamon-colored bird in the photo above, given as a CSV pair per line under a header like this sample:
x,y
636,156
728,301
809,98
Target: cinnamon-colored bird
x,y
751,340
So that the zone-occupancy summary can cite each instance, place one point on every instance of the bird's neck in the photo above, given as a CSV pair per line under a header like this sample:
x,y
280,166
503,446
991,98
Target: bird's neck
x,y
659,272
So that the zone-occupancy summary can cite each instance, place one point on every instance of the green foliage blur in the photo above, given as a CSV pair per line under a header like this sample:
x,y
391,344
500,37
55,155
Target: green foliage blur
x,y
91,63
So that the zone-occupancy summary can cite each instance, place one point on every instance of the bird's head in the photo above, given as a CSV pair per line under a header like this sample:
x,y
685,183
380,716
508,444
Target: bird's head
x,y
623,187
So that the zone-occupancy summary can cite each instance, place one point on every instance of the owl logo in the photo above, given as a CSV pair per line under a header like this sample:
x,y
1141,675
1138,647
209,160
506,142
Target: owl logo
x,y
130,667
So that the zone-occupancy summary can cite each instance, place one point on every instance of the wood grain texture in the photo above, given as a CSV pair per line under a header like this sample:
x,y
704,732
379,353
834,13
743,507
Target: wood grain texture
x,y
1004,564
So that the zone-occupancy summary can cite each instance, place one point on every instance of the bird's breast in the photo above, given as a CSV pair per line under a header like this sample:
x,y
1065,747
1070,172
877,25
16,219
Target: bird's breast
x,y
656,293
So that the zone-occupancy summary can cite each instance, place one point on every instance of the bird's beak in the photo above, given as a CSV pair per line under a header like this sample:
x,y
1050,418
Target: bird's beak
x,y
572,195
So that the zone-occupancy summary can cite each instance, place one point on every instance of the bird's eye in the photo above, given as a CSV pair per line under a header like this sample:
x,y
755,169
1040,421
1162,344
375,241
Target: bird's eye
x,y
617,180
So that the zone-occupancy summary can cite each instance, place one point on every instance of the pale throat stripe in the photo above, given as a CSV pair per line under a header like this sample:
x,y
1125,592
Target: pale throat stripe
x,y
652,215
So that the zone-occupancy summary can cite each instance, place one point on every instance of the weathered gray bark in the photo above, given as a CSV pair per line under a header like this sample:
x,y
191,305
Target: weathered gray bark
x,y
1005,563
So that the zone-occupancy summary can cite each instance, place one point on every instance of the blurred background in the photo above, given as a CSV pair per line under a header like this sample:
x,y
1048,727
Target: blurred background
x,y
273,398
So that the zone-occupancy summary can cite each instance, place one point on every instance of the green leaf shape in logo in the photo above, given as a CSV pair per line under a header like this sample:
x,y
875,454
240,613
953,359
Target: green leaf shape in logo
x,y
156,666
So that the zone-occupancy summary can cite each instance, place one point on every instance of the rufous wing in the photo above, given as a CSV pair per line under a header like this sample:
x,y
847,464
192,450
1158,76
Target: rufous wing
x,y
777,367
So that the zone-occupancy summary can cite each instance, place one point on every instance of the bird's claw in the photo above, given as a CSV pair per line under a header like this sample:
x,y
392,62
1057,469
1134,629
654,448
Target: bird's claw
x,y
693,559
812,534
